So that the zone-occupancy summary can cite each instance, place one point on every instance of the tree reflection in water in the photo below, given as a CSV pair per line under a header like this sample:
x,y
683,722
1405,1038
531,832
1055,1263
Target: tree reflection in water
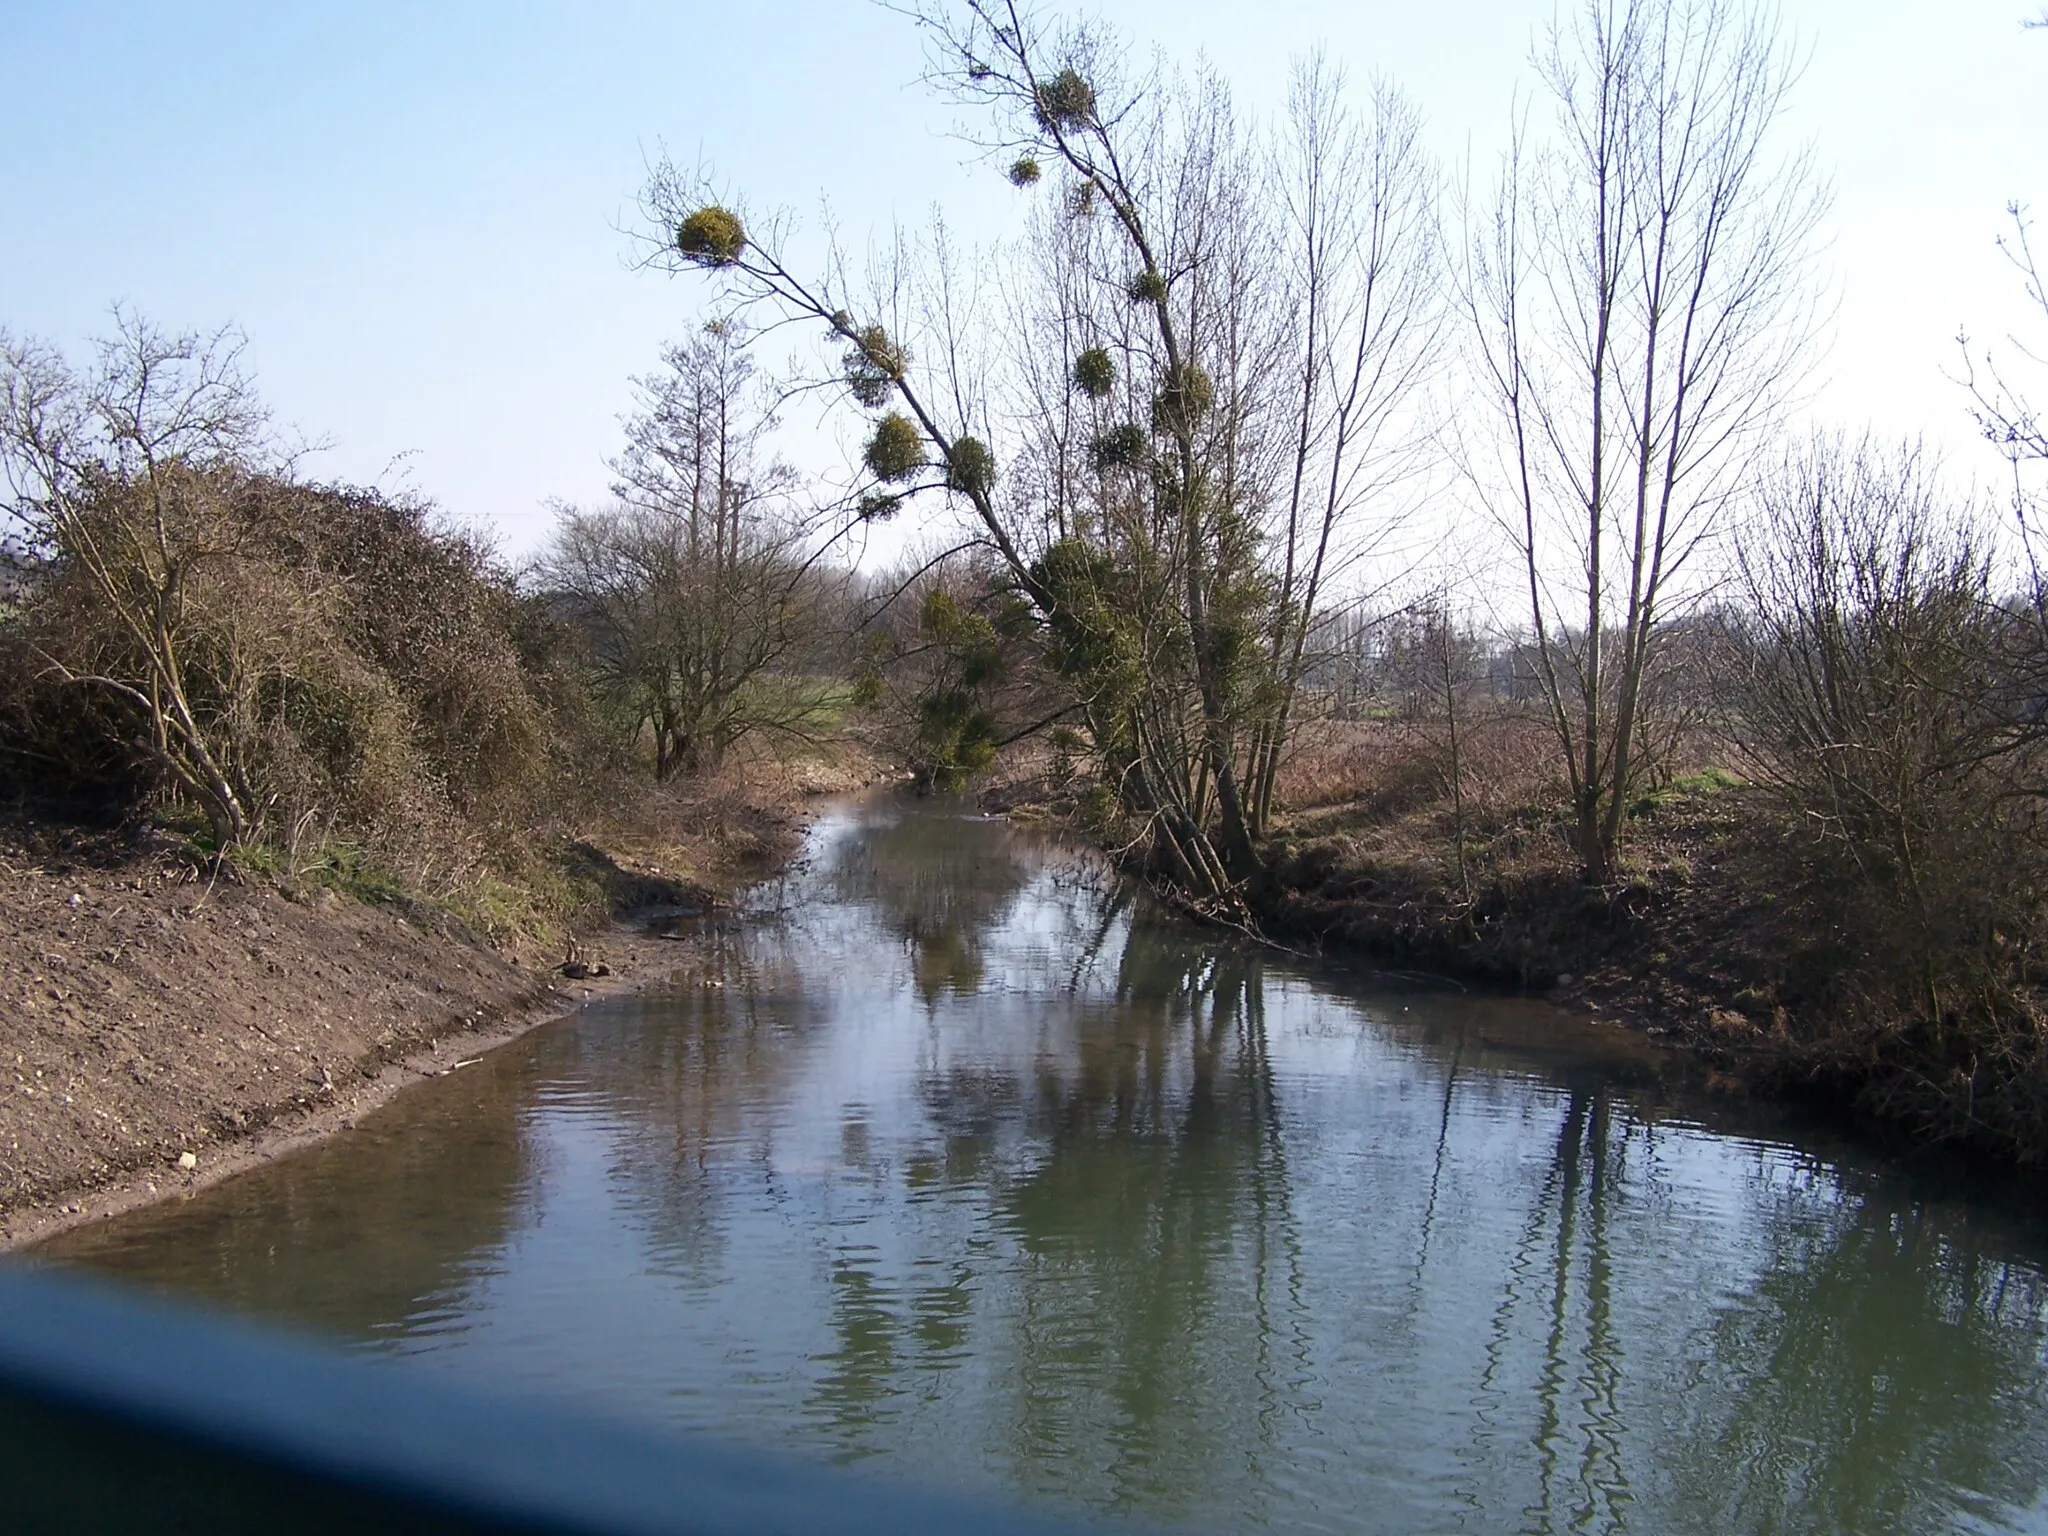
x,y
958,1159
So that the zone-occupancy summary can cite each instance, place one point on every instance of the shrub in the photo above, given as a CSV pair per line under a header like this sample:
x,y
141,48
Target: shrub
x,y
896,451
1888,701
1094,373
711,237
1183,400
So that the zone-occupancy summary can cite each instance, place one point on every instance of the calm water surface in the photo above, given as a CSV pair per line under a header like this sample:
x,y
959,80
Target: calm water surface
x,y
953,1160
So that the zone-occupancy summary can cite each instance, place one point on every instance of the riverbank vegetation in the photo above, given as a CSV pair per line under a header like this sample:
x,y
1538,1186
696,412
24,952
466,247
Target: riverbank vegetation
x,y
1197,446
300,780
325,685
1361,561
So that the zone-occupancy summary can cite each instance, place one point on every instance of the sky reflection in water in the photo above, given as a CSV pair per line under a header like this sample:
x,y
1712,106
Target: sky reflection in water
x,y
970,1169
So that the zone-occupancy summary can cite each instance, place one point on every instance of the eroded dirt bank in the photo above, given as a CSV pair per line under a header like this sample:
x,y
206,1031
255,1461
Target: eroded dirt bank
x,y
160,1030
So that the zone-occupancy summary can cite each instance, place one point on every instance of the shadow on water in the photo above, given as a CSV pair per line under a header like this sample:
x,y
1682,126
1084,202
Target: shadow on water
x,y
957,1159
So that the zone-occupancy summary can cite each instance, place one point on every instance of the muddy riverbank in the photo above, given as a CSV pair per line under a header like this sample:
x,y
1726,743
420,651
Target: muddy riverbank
x,y
164,1030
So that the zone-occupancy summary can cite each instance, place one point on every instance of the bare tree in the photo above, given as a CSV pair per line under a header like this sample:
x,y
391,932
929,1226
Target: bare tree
x,y
1640,300
701,593
124,474
1366,261
2005,413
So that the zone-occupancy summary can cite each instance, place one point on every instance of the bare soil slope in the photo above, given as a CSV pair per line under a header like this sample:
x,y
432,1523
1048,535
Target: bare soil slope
x,y
158,1030
151,1016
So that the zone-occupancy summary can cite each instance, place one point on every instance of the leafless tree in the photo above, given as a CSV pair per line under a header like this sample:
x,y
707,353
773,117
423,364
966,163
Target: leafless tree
x,y
702,594
1365,261
123,473
2005,412
1640,298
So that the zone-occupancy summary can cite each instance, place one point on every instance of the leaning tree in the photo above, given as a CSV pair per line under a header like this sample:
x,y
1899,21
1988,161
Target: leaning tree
x,y
1192,386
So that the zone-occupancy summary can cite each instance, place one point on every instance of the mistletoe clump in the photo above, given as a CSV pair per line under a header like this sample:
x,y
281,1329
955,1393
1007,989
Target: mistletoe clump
x,y
970,467
1118,448
1024,172
872,364
1183,399
1095,373
1065,101
1147,287
896,451
878,506
712,236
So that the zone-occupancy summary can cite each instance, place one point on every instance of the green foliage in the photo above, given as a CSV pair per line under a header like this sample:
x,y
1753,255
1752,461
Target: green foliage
x,y
957,740
896,451
1118,448
955,730
1183,399
939,615
711,237
970,467
1092,638
1146,287
879,507
1687,786
1024,171
1065,102
1097,809
872,366
1095,373
1081,199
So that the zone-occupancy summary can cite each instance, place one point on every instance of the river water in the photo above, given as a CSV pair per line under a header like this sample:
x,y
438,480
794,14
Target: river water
x,y
951,1159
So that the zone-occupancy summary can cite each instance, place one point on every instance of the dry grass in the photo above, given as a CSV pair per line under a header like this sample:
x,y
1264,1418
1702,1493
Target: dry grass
x,y
1377,771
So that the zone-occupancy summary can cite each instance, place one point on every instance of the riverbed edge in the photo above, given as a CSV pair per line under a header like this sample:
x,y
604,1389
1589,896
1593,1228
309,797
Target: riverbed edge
x,y
297,1127
1693,948
481,1000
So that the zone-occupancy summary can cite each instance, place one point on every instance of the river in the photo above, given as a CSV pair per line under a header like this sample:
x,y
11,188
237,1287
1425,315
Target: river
x,y
950,1158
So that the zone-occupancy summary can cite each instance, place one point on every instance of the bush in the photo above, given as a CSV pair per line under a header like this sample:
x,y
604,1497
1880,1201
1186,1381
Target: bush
x,y
1118,448
1183,399
346,666
1065,102
1886,697
872,365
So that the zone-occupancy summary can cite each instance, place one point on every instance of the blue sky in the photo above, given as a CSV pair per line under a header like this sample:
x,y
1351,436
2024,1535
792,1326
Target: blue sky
x,y
415,212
